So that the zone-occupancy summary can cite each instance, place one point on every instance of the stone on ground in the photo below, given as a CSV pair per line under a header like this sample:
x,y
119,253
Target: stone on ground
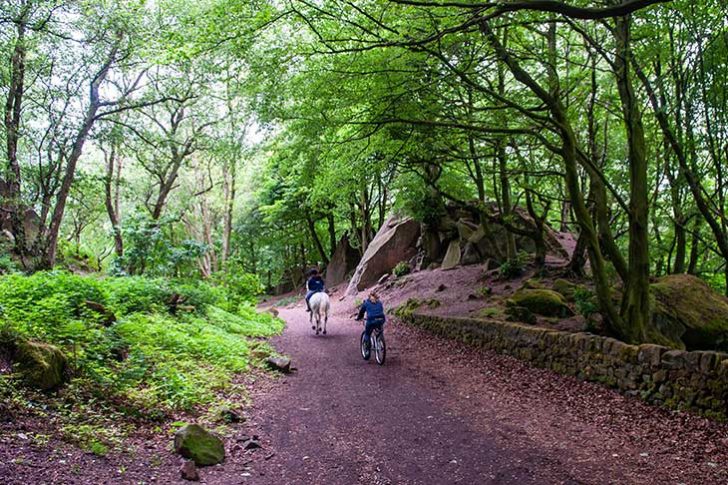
x,y
689,313
520,314
199,445
395,242
189,471
541,302
231,416
566,288
280,364
40,365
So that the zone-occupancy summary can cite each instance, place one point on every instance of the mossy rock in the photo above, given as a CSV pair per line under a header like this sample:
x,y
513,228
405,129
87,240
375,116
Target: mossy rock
x,y
490,312
566,288
40,365
541,302
406,309
199,445
520,314
686,311
532,284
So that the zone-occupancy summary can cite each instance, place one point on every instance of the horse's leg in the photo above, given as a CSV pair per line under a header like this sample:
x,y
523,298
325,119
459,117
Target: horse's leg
x,y
310,319
318,321
326,318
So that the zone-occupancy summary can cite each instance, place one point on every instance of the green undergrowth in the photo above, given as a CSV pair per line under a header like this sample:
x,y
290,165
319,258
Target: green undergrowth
x,y
174,345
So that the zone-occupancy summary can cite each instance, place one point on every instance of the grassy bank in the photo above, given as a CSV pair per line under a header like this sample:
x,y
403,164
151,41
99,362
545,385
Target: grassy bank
x,y
137,348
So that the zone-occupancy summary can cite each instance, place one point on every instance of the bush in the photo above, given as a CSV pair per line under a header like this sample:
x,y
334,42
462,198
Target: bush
x,y
401,269
585,302
237,287
514,266
44,304
134,294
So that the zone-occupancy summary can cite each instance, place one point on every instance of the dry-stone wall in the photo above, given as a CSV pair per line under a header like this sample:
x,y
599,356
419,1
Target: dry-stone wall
x,y
676,378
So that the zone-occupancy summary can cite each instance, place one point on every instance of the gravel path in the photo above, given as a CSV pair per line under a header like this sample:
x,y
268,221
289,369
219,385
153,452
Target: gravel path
x,y
439,412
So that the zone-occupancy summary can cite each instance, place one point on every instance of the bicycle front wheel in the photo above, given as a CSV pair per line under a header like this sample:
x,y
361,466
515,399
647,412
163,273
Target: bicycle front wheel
x,y
380,348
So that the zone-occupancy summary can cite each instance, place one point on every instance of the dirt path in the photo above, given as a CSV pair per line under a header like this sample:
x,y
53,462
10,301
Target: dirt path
x,y
439,412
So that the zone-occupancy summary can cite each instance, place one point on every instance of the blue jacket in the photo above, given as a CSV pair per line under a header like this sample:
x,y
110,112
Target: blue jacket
x,y
315,284
374,311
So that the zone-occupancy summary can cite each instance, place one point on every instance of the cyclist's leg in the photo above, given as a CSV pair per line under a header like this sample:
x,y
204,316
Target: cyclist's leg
x,y
379,327
368,329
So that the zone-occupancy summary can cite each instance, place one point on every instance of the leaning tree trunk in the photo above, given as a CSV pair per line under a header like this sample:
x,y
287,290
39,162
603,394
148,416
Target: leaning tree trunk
x,y
316,240
49,256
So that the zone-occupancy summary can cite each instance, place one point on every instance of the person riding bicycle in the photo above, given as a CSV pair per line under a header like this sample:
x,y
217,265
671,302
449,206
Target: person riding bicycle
x,y
314,284
374,310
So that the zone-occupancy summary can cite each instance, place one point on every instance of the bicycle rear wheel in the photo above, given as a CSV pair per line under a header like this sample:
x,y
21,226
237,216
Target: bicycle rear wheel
x,y
364,346
380,348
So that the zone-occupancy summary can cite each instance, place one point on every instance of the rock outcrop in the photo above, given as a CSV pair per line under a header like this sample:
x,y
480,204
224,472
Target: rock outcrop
x,y
689,313
342,263
478,242
199,445
394,242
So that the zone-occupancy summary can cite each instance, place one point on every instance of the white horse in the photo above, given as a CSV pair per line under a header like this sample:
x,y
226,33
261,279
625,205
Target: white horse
x,y
319,304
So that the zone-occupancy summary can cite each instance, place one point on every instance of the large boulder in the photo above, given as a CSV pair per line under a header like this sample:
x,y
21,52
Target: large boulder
x,y
40,365
541,302
199,445
689,313
395,242
452,256
343,262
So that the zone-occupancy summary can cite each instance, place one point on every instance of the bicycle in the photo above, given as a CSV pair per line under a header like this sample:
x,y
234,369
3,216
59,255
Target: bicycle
x,y
376,343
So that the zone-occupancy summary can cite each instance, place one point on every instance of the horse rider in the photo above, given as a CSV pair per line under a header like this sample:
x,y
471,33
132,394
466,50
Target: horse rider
x,y
314,284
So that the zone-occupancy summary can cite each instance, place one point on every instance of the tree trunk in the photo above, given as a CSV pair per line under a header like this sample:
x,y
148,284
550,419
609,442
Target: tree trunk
x,y
316,240
597,189
500,150
13,112
694,248
229,177
332,233
539,226
112,183
636,300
